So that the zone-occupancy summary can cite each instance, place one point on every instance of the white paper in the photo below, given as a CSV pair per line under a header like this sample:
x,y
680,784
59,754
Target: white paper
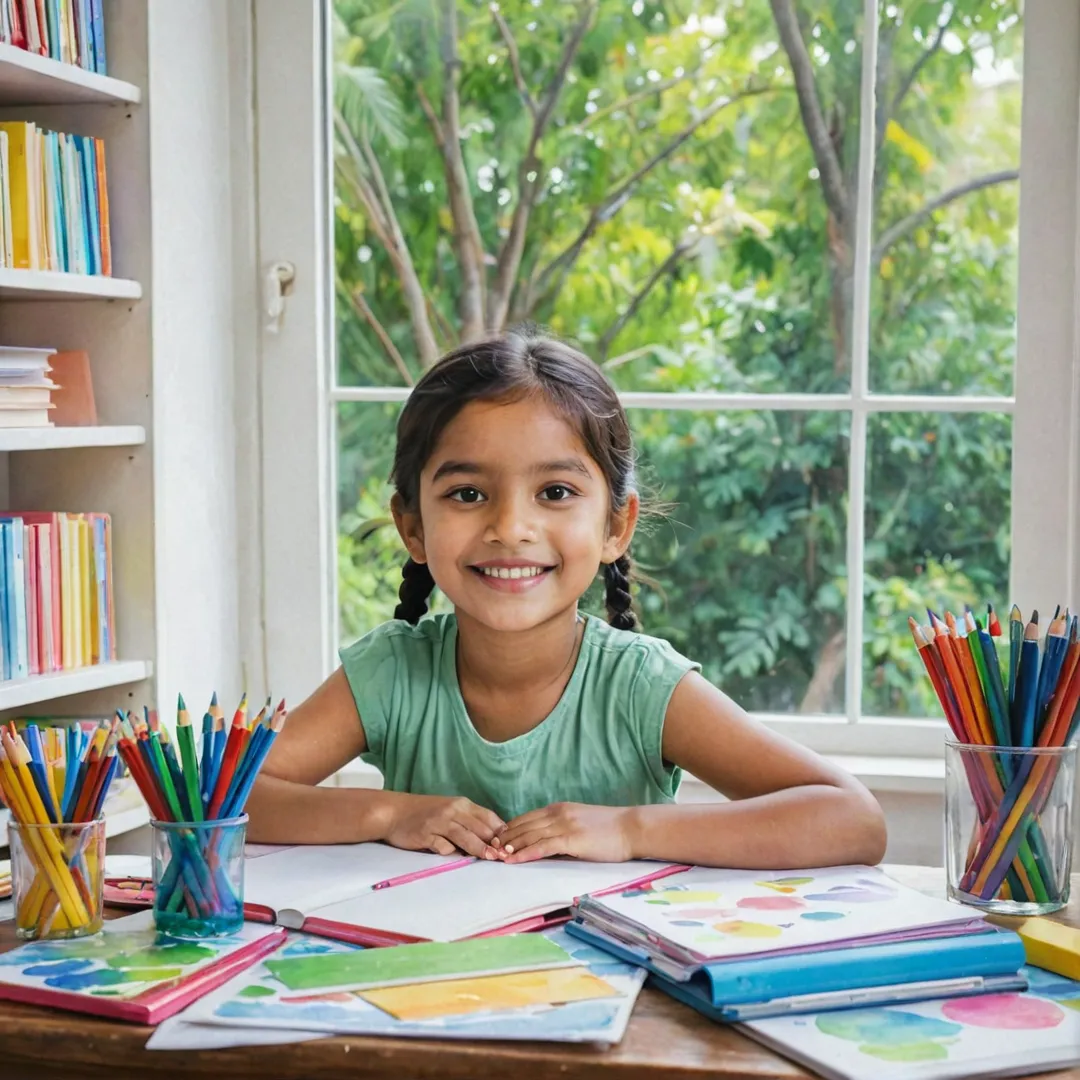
x,y
482,896
309,876
176,1033
984,1036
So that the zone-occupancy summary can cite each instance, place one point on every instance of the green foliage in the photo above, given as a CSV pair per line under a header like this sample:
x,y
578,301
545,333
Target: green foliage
x,y
749,289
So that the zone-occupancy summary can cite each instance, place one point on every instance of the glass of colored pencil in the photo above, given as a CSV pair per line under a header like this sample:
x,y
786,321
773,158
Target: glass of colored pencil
x,y
54,782
197,801
1011,762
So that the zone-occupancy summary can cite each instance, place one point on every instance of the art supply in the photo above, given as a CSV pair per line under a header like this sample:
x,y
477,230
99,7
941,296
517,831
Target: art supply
x,y
587,1003
130,971
1011,767
1047,944
197,805
55,783
1009,1034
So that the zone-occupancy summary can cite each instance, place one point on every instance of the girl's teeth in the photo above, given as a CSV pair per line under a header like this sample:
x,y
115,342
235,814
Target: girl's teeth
x,y
511,571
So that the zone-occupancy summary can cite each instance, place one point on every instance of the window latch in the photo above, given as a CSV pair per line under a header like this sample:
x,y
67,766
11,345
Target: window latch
x,y
277,285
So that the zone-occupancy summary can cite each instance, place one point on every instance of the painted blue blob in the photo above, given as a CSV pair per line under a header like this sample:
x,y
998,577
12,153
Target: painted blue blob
x,y
87,980
687,922
59,967
822,916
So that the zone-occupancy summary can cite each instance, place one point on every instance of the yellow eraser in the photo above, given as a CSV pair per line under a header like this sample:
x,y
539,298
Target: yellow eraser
x,y
1048,944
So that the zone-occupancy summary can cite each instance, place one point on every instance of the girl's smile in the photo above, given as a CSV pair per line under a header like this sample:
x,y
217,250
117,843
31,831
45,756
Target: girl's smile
x,y
511,576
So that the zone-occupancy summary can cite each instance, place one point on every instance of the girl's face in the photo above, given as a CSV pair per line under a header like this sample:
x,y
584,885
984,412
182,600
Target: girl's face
x,y
515,516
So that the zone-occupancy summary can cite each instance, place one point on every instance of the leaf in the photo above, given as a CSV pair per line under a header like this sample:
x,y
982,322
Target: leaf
x,y
367,103
909,145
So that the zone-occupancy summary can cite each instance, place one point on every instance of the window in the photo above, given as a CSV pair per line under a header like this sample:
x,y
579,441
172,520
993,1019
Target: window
x,y
792,234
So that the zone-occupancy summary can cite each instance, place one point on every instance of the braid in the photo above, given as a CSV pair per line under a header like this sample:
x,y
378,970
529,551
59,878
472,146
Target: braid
x,y
617,598
416,586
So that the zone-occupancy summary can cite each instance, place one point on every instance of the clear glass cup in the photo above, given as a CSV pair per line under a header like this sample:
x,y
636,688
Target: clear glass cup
x,y
1008,826
198,873
57,879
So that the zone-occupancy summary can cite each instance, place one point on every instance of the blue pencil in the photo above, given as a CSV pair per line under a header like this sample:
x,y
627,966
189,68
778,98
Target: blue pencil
x,y
1056,645
204,757
235,805
1027,685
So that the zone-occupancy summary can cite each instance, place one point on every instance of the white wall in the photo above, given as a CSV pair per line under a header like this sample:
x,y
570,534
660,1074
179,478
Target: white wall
x,y
192,322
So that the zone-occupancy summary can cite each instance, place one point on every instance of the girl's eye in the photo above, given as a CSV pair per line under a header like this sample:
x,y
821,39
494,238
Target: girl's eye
x,y
467,495
557,493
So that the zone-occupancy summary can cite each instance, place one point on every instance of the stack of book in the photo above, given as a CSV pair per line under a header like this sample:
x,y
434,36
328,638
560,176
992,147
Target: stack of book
x,y
741,945
55,203
71,31
25,387
56,592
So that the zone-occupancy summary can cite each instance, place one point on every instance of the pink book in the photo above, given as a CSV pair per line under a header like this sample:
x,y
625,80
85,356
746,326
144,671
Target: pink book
x,y
149,977
49,519
33,606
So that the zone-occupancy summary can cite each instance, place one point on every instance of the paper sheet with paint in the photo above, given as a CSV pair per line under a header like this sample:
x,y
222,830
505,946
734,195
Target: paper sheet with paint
x,y
993,1035
704,915
128,964
421,963
258,1000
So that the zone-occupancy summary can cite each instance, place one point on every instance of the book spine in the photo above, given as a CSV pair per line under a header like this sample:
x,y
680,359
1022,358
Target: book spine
x,y
18,580
97,20
5,601
102,188
30,566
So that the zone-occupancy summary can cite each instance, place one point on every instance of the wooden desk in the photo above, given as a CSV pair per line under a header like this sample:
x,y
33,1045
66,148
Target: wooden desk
x,y
665,1041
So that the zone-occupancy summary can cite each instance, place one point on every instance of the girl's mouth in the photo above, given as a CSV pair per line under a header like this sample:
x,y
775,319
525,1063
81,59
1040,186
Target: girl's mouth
x,y
512,579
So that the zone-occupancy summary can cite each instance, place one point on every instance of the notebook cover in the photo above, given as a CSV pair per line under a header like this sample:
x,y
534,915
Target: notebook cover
x,y
161,1002
74,393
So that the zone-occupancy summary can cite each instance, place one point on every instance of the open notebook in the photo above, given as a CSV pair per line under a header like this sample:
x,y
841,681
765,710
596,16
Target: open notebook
x,y
372,894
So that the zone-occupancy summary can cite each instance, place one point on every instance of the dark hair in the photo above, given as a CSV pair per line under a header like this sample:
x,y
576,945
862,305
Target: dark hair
x,y
508,368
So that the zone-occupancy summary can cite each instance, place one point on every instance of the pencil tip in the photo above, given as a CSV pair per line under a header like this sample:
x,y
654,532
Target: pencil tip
x,y
180,706
213,699
1035,617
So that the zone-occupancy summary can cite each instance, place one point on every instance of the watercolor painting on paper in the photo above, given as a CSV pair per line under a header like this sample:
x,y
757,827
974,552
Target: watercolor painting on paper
x,y
257,999
127,959
984,1036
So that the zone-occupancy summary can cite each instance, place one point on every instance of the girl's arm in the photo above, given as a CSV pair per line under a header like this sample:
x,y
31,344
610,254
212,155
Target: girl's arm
x,y
789,808
320,736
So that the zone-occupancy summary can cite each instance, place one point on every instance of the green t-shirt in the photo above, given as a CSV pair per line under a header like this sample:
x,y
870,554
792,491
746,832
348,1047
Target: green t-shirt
x,y
601,744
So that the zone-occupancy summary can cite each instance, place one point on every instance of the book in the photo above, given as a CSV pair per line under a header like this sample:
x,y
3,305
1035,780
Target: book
x,y
1008,1034
710,915
343,891
145,975
732,990
241,1012
73,392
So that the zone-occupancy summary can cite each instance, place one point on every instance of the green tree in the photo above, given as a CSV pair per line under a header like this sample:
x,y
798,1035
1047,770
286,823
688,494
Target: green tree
x,y
674,186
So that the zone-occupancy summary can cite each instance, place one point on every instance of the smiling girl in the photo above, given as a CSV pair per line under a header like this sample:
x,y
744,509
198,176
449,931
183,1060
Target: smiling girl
x,y
517,727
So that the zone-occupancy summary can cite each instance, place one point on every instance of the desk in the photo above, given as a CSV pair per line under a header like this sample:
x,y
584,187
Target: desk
x,y
665,1041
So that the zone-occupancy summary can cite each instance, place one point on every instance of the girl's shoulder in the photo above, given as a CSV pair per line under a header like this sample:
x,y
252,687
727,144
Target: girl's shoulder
x,y
399,639
611,649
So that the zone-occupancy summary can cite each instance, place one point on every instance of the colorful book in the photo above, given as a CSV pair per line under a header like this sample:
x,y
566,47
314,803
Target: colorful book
x,y
1010,1034
733,990
709,915
129,971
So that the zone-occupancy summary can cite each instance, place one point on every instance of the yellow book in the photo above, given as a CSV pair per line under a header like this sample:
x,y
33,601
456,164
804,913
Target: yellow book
x,y
19,133
67,596
86,572
1050,945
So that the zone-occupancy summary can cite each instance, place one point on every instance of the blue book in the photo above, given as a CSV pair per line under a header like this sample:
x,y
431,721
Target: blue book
x,y
59,222
85,146
21,651
5,651
97,26
914,970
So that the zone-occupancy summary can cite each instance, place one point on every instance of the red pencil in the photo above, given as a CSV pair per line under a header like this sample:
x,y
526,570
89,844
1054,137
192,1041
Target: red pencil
x,y
228,765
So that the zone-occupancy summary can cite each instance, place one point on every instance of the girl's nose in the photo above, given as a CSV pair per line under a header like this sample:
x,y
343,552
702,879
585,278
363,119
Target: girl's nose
x,y
511,521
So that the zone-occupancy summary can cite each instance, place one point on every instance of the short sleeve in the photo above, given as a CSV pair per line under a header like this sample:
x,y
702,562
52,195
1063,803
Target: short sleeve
x,y
661,670
371,668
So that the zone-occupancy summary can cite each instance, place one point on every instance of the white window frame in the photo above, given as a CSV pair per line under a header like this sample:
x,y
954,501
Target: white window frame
x,y
299,402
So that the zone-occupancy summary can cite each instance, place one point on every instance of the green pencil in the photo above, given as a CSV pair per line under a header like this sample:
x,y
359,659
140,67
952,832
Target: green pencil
x,y
186,738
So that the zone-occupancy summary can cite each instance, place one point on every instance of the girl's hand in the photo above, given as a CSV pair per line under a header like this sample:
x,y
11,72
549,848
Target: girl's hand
x,y
441,824
598,833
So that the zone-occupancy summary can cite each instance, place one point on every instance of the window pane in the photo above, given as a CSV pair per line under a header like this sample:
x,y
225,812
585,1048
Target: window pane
x,y
673,217
748,562
944,287
937,535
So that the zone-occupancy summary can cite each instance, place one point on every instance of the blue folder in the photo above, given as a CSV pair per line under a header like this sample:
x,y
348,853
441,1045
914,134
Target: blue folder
x,y
737,989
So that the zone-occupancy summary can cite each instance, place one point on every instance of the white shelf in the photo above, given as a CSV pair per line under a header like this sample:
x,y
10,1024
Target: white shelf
x,y
51,285
19,692
29,79
64,438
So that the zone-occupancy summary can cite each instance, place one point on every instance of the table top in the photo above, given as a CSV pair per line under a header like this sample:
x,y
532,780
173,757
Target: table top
x,y
664,1041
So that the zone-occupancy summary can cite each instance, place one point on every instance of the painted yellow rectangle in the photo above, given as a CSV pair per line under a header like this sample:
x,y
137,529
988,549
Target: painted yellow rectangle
x,y
457,997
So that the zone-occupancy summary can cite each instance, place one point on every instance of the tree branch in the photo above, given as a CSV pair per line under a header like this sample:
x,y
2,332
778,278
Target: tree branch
x,y
515,59
916,69
380,210
432,118
363,309
907,224
641,95
468,245
509,261
817,131
551,277
681,249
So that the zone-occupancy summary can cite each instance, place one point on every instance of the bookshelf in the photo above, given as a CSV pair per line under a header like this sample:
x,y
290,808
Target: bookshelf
x,y
107,468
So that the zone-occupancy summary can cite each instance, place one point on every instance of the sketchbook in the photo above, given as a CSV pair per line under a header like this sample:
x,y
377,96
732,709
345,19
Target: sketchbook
x,y
996,1035
706,915
129,971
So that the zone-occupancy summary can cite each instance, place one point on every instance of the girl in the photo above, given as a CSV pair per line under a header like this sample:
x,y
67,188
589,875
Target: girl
x,y
517,728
